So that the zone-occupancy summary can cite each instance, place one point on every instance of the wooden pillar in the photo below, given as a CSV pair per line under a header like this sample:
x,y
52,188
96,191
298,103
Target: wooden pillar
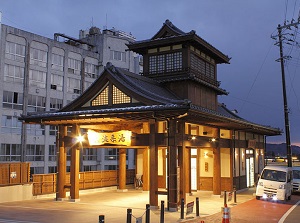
x,y
122,169
153,167
74,168
146,169
173,182
187,170
61,164
183,162
217,171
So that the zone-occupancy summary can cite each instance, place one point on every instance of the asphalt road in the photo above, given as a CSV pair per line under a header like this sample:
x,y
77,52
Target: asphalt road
x,y
261,211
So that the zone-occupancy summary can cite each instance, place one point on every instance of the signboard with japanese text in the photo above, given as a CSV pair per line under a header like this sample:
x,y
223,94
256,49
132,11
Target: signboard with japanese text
x,y
121,138
189,208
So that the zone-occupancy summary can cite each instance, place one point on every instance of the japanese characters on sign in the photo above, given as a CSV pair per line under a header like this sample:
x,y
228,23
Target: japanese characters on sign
x,y
122,137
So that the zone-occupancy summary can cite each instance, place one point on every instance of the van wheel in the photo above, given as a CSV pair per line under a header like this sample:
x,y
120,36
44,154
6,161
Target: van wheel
x,y
257,197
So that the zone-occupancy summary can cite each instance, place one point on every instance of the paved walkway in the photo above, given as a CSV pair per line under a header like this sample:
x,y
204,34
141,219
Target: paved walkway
x,y
113,205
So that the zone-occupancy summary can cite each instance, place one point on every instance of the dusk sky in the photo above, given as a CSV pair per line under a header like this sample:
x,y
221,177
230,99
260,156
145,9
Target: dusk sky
x,y
240,29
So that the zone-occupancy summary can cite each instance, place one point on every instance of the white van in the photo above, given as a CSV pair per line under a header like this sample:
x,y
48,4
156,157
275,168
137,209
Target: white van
x,y
275,183
296,179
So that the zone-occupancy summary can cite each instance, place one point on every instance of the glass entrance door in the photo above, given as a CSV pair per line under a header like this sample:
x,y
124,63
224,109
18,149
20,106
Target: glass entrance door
x,y
194,169
250,167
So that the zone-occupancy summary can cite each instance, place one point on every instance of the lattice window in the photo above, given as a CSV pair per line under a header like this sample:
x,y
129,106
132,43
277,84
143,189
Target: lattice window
x,y
119,97
102,98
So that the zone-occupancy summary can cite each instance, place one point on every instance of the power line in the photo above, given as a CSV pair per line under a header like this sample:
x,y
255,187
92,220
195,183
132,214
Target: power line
x,y
255,79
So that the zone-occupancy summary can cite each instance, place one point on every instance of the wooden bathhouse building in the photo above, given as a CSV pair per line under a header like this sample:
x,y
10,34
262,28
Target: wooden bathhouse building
x,y
184,140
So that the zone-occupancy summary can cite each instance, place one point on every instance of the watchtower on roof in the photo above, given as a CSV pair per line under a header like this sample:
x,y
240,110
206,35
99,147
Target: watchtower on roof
x,y
184,62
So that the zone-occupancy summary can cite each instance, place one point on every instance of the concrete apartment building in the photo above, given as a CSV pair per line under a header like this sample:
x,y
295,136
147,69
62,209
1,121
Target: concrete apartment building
x,y
39,74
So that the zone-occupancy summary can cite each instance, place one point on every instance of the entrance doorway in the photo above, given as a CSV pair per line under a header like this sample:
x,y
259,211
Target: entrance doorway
x,y
250,167
194,169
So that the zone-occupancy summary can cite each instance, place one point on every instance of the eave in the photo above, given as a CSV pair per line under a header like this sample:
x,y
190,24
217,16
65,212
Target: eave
x,y
141,47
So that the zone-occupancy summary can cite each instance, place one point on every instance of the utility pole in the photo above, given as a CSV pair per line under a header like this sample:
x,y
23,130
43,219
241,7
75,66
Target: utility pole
x,y
286,111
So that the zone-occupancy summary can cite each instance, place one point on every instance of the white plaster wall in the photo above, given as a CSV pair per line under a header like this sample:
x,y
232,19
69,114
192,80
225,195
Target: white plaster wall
x,y
225,162
16,193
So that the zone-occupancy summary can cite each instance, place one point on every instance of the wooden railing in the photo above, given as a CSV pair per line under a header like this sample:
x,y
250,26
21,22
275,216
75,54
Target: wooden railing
x,y
46,183
14,173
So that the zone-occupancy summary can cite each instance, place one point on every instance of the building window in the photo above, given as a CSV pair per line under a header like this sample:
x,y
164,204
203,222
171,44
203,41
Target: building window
x,y
89,154
119,97
37,78
36,170
52,153
90,168
12,100
74,66
35,152
90,70
52,169
53,130
87,84
117,55
38,57
205,68
55,104
170,62
36,103
35,129
102,98
11,124
57,62
113,154
74,86
111,167
14,51
57,82
10,152
13,74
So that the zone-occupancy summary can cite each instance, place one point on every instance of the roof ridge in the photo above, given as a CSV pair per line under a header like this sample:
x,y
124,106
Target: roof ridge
x,y
144,91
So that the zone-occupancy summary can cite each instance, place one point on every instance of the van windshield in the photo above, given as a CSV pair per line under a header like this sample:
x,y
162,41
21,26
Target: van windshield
x,y
296,174
274,175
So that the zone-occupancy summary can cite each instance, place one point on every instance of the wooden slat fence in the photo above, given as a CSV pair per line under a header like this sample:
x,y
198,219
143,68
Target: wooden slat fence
x,y
14,173
46,183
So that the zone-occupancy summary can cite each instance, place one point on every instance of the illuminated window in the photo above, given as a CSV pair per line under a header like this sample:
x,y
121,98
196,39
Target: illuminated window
x,y
102,98
170,62
119,97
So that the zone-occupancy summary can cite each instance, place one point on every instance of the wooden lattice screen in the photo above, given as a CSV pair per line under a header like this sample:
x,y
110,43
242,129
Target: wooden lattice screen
x,y
46,183
14,173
